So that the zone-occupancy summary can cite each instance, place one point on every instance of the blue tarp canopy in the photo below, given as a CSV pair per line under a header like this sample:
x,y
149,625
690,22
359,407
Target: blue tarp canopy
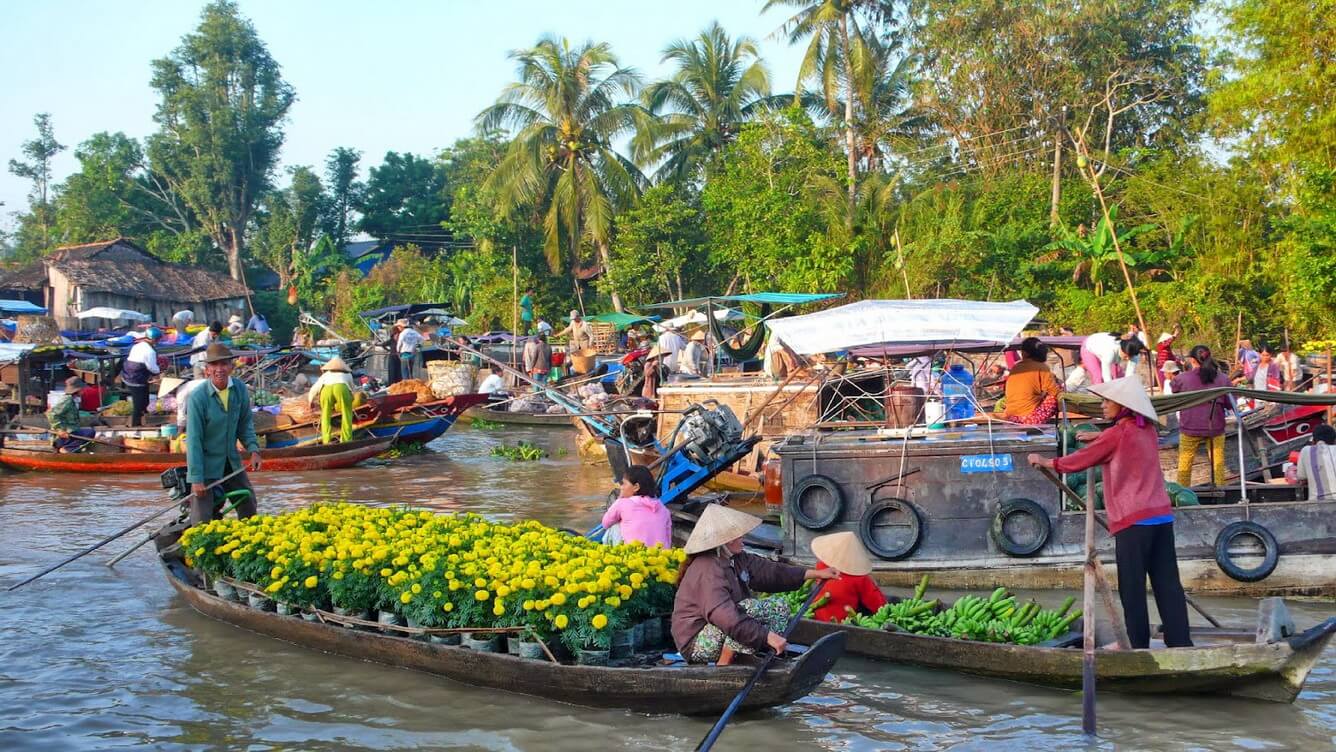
x,y
403,310
774,298
21,307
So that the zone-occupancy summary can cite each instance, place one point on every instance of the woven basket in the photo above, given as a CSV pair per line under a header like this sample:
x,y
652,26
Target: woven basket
x,y
605,337
583,361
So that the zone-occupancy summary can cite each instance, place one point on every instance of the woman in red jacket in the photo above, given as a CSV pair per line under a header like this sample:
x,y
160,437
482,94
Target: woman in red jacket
x,y
1141,517
852,591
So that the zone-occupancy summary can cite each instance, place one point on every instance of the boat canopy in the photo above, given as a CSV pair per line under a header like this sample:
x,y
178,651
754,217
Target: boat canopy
x,y
12,353
21,307
976,346
113,314
619,320
877,322
773,298
695,318
414,309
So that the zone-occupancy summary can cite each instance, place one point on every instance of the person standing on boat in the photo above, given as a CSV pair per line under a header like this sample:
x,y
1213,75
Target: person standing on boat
x,y
538,358
1032,392
853,589
201,343
1202,425
714,606
334,388
526,312
1107,356
140,366
1291,373
691,361
63,418
181,320
671,344
579,336
1317,464
637,516
218,416
1141,517
406,345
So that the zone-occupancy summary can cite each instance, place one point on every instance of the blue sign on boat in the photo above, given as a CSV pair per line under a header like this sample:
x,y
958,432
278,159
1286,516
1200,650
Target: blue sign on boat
x,y
986,463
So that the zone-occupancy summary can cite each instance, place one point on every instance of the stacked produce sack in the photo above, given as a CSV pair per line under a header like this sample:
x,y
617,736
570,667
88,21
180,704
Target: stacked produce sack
x,y
449,378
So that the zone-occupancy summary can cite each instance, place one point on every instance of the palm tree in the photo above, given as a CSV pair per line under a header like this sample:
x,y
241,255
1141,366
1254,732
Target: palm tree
x,y
885,119
568,107
718,84
836,44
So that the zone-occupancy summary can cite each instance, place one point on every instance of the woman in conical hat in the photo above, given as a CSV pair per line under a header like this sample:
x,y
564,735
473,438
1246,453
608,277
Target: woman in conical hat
x,y
714,606
1141,517
852,589
334,389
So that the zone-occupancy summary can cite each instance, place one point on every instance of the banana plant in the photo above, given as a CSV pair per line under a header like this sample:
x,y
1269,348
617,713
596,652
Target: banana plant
x,y
1095,251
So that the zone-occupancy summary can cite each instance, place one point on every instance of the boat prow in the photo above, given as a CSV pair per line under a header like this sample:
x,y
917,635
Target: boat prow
x,y
1223,663
688,690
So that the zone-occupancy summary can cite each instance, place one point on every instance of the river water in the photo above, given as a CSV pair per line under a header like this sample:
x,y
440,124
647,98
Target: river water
x,y
95,658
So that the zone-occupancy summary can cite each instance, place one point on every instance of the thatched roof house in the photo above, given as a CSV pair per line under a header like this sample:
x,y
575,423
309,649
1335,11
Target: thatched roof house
x,y
119,274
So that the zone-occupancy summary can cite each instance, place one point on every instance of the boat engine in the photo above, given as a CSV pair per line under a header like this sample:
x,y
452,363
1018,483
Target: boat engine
x,y
707,434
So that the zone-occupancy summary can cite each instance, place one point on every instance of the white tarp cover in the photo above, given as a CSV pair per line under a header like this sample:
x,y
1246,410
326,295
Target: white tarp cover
x,y
12,353
697,317
106,312
876,322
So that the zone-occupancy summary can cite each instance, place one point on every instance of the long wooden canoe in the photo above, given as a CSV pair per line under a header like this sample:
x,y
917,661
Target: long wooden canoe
x,y
315,457
491,415
1222,662
690,690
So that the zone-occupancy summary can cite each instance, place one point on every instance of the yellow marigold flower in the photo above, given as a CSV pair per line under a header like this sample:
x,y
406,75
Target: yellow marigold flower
x,y
447,607
561,621
312,581
275,587
480,582
406,597
599,621
417,588
528,605
199,551
386,572
482,595
338,575
502,591
499,609
558,599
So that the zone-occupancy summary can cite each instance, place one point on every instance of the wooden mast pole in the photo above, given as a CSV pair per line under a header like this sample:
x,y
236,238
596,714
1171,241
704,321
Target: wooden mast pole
x,y
1088,613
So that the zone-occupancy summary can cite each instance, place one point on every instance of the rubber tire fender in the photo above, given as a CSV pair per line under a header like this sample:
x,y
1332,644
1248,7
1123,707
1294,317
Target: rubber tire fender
x,y
1270,558
1011,507
865,524
795,505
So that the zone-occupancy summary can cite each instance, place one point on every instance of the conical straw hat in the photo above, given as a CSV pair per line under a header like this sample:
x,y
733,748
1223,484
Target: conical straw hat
x,y
719,525
842,552
1129,393
335,364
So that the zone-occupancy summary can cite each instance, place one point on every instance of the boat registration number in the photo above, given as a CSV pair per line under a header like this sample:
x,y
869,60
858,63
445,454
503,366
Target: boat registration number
x,y
986,463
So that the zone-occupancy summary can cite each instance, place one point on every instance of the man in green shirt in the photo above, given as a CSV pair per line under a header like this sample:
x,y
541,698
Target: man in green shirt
x,y
218,416
526,312
63,418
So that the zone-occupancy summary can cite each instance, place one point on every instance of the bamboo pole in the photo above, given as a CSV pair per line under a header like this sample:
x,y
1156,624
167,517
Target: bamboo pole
x,y
515,307
1113,233
1088,613
1329,388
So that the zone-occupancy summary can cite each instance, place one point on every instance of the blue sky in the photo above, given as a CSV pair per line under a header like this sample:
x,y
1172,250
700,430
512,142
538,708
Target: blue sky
x,y
403,75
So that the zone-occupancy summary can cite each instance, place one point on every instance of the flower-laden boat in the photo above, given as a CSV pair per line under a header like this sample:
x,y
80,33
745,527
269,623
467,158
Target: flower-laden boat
x,y
440,575
292,459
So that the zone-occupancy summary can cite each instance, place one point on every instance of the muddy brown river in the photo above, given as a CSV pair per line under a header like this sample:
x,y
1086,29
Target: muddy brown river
x,y
93,658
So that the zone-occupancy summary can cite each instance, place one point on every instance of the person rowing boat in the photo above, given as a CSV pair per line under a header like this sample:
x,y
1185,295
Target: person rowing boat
x,y
218,415
714,606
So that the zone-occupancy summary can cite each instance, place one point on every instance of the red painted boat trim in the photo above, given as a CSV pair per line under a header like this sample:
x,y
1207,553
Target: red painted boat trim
x,y
330,457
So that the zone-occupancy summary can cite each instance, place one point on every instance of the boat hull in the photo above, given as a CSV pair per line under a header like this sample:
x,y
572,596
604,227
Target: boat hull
x,y
482,412
689,690
1274,671
294,459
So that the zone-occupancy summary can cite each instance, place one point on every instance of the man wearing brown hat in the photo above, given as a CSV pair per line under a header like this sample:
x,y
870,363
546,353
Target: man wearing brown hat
x,y
63,418
218,416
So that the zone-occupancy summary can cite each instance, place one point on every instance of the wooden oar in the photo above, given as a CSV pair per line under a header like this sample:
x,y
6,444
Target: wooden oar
x,y
1066,489
733,706
175,504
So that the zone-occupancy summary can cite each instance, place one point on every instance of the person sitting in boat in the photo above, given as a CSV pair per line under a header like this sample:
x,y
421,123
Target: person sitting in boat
x,y
637,516
653,373
63,418
852,590
493,385
714,606
691,361
1032,392
218,416
1106,356
334,388
1141,518
1317,464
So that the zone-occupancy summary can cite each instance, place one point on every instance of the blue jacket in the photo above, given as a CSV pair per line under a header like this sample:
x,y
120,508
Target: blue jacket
x,y
212,432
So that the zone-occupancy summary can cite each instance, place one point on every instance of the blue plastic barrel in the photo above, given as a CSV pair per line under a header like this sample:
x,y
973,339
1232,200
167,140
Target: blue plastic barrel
x,y
958,393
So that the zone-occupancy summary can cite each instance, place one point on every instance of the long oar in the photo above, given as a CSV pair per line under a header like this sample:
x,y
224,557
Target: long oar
x,y
1066,489
111,538
733,706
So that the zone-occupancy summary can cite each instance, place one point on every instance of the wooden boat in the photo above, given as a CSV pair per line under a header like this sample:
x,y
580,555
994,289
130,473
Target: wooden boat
x,y
409,422
691,690
1223,662
492,415
292,459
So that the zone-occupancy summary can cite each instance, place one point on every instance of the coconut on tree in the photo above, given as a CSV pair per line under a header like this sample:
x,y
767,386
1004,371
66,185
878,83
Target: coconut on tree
x,y
570,104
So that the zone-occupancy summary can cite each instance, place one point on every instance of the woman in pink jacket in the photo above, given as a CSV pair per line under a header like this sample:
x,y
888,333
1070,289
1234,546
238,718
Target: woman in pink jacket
x,y
1141,517
638,514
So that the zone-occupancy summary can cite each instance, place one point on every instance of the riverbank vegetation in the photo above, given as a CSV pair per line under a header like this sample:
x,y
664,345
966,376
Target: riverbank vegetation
x,y
928,148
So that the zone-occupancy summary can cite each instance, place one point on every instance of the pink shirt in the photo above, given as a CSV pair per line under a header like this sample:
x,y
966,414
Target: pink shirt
x,y
1133,485
643,519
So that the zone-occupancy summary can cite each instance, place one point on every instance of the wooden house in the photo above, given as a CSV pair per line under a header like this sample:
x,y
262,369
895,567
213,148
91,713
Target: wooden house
x,y
119,274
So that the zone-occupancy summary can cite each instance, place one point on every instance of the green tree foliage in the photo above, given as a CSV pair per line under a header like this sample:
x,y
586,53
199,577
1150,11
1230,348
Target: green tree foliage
x,y
1097,253
717,85
221,113
35,232
659,253
568,108
287,224
404,198
338,215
